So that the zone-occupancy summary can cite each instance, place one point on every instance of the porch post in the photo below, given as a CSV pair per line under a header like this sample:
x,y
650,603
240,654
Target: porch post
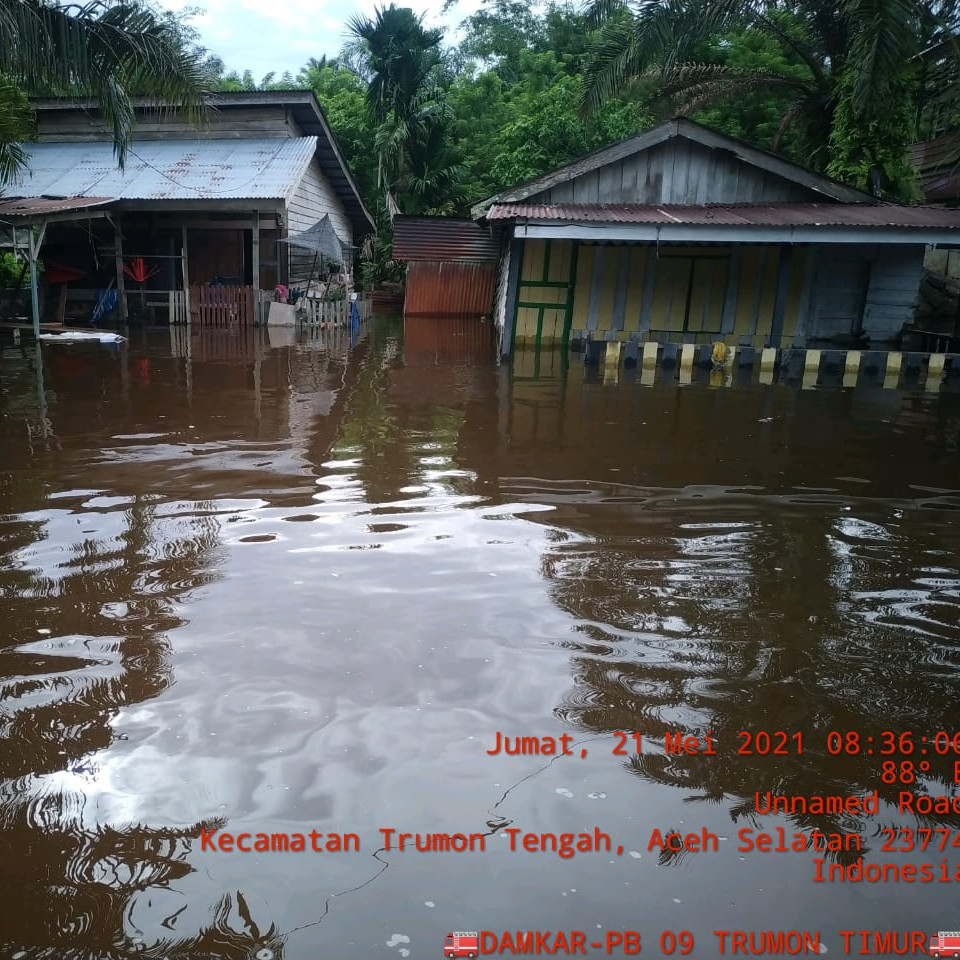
x,y
186,273
780,299
513,282
33,248
283,253
121,287
256,267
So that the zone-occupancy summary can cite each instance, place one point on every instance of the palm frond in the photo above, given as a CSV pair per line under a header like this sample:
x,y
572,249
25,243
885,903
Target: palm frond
x,y
108,51
16,125
884,37
696,84
662,32
598,12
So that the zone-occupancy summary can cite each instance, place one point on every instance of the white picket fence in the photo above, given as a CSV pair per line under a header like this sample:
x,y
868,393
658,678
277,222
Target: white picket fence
x,y
215,306
312,312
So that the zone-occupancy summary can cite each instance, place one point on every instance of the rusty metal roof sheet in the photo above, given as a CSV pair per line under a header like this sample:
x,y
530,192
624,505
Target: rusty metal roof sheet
x,y
736,215
301,105
938,163
38,207
443,238
169,169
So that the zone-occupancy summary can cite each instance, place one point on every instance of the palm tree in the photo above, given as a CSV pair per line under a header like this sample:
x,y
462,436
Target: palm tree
x,y
109,51
401,56
403,63
16,125
851,78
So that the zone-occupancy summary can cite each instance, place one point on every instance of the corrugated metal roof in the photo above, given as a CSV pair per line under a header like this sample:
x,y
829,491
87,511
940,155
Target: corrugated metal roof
x,y
736,215
42,206
938,163
307,114
169,169
443,238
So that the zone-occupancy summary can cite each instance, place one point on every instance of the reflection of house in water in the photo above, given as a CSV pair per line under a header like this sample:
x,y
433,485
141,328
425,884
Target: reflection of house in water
x,y
712,588
684,234
73,886
69,884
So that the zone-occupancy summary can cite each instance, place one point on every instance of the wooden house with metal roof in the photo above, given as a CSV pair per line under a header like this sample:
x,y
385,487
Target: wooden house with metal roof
x,y
684,234
193,206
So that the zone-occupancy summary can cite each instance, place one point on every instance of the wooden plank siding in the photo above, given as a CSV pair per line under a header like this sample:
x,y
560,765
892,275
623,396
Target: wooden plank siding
x,y
313,198
680,171
707,292
893,290
79,126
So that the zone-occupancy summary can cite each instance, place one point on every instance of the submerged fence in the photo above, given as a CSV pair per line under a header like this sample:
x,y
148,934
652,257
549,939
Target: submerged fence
x,y
237,306
312,312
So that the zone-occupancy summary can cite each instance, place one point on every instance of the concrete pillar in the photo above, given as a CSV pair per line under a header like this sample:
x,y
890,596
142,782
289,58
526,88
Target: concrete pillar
x,y
891,377
851,367
686,362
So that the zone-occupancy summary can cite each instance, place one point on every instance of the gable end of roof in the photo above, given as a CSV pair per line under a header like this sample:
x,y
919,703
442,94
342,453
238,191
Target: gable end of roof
x,y
678,127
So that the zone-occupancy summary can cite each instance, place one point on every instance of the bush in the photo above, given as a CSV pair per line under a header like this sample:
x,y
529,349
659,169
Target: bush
x,y
11,268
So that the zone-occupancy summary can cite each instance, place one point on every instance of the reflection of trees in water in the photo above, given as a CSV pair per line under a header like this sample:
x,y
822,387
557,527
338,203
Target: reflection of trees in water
x,y
399,426
68,889
770,616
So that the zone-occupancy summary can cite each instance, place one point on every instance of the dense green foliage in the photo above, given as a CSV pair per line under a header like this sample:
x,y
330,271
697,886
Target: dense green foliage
x,y
440,128
13,272
838,85
841,74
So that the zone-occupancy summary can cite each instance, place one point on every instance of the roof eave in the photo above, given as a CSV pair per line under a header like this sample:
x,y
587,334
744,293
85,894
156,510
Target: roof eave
x,y
729,233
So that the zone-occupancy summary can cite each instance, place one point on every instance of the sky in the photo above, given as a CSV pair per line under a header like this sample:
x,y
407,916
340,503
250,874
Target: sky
x,y
283,35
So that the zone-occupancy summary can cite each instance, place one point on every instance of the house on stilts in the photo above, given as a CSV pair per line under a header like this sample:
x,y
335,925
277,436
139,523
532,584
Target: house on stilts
x,y
194,222
684,236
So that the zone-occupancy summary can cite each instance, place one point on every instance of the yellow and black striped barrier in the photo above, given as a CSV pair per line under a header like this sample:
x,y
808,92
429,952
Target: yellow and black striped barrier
x,y
656,361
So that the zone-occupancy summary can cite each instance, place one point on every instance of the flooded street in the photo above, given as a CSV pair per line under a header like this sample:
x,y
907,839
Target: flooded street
x,y
281,589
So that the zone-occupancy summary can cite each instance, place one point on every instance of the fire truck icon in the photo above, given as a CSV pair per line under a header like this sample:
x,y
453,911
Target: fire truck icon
x,y
945,944
461,944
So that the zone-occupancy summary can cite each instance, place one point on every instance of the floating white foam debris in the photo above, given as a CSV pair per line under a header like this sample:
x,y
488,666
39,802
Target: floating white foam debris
x,y
636,854
429,903
69,336
397,939
822,948
264,953
597,796
677,900
403,952
564,792
43,630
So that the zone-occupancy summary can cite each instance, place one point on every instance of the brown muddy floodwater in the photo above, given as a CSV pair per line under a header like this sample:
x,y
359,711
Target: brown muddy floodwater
x,y
283,589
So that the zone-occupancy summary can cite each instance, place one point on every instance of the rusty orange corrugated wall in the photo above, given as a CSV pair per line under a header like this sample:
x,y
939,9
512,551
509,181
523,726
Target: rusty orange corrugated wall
x,y
449,289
